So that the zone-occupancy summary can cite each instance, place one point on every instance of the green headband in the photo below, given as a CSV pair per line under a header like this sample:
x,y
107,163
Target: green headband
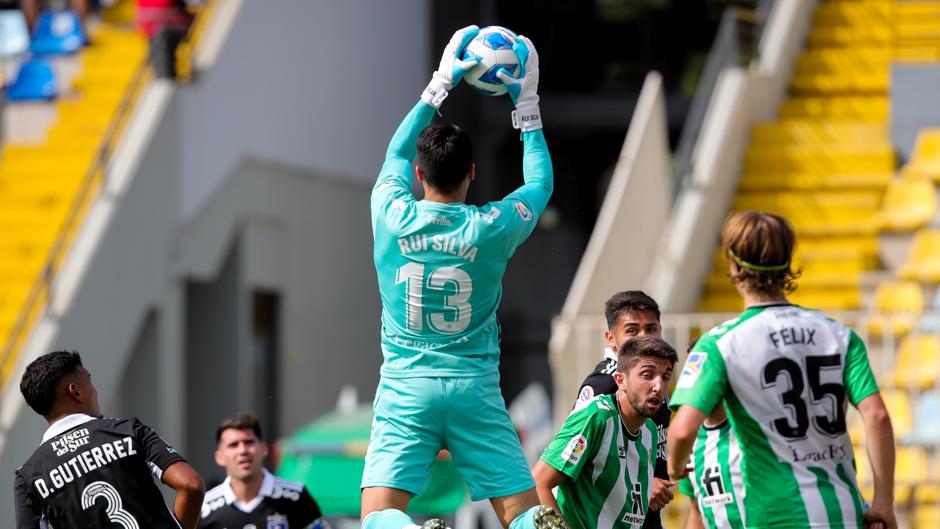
x,y
760,268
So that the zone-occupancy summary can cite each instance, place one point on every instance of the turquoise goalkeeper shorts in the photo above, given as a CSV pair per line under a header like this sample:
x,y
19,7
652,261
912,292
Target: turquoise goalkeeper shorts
x,y
415,418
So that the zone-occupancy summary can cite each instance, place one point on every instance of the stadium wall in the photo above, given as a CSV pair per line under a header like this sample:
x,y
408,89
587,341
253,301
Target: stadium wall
x,y
914,90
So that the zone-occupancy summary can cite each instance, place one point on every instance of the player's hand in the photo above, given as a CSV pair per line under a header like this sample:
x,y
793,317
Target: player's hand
x,y
880,516
524,90
661,494
452,68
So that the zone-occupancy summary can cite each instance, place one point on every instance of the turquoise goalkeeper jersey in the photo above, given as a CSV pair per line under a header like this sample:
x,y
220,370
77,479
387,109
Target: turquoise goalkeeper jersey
x,y
440,266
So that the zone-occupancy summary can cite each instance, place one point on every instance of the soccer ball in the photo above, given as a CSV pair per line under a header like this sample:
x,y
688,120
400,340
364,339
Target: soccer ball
x,y
493,47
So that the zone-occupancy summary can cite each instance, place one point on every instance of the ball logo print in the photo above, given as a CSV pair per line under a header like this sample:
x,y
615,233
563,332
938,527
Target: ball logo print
x,y
493,48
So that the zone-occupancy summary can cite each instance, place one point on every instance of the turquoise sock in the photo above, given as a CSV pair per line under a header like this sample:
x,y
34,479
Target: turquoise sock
x,y
387,519
525,520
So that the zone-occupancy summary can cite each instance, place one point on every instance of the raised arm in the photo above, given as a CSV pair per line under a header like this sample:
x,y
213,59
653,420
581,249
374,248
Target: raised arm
x,y
396,170
402,148
536,162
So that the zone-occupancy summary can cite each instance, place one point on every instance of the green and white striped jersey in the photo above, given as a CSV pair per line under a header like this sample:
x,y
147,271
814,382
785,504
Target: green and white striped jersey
x,y
715,482
785,373
610,470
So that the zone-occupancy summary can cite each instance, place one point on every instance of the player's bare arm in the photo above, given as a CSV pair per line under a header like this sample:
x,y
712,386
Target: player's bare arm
x,y
694,520
681,438
189,492
546,479
879,435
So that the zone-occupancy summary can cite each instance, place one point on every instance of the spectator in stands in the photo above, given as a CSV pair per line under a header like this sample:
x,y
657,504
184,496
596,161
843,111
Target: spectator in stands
x,y
251,496
166,23
32,9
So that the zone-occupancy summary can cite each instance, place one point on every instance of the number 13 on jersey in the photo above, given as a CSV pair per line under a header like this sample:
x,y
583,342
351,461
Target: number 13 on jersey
x,y
451,282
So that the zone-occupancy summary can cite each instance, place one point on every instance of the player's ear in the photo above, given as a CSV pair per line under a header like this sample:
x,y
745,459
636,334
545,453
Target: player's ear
x,y
264,449
611,340
620,378
218,458
472,173
419,173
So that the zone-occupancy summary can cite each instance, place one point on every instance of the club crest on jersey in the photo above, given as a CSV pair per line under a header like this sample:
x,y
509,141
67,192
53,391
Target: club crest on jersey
x,y
587,393
277,521
575,449
523,211
692,368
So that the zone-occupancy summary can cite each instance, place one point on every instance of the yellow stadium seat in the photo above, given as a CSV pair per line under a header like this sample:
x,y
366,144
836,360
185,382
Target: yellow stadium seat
x,y
917,364
926,516
925,160
813,181
898,306
872,108
877,158
923,260
910,470
908,204
899,406
810,131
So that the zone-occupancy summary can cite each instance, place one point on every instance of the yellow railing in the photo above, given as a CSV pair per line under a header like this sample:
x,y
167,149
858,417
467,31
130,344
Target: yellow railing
x,y
184,52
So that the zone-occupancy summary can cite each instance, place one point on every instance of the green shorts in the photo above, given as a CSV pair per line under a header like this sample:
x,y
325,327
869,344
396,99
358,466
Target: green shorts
x,y
415,418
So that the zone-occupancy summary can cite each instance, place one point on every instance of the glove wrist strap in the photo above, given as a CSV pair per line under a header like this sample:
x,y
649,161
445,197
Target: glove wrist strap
x,y
436,92
527,117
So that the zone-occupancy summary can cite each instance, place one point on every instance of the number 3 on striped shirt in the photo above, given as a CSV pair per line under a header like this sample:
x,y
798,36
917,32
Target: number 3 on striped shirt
x,y
115,507
412,274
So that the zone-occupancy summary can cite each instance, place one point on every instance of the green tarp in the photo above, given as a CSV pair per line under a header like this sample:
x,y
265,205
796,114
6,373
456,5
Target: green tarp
x,y
328,455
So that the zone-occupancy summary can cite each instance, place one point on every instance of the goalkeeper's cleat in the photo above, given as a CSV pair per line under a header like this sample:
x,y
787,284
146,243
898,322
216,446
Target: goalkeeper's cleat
x,y
548,518
434,523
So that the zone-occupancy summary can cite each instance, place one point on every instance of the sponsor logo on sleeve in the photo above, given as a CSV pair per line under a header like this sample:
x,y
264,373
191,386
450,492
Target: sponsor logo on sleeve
x,y
492,215
587,393
692,369
523,211
575,449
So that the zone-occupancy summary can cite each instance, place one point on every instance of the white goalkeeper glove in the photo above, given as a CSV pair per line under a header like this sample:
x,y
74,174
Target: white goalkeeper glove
x,y
524,90
452,67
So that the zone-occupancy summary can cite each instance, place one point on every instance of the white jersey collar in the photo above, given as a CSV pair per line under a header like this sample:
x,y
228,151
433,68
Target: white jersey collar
x,y
267,488
610,354
65,424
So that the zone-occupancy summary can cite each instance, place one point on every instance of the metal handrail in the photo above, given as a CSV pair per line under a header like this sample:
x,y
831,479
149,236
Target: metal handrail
x,y
94,180
725,52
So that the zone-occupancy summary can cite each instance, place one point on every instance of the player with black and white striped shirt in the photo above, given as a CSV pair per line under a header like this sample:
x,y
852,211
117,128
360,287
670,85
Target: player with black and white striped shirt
x,y
92,472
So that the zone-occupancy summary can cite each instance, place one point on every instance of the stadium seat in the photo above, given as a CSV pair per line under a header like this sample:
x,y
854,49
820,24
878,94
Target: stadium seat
x,y
34,82
923,260
910,470
898,306
908,204
57,32
917,365
925,160
926,427
926,516
871,108
14,35
899,405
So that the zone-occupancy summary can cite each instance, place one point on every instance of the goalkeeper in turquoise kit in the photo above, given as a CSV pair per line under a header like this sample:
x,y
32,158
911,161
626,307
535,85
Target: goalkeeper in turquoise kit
x,y
440,264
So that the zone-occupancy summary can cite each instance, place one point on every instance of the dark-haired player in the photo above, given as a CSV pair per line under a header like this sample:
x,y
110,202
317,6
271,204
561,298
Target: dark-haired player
x,y
250,495
440,264
629,314
602,459
92,472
